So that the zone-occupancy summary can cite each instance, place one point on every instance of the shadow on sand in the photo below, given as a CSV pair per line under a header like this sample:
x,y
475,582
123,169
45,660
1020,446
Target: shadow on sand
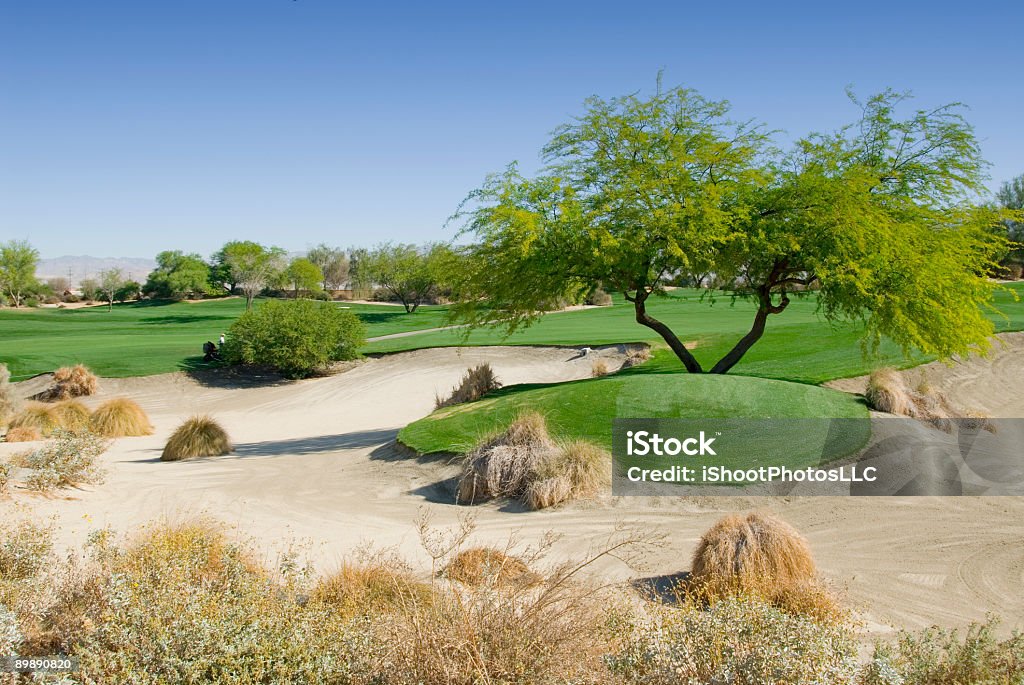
x,y
315,445
667,589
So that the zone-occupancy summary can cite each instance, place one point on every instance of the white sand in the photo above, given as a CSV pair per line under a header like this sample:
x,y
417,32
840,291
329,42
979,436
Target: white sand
x,y
315,460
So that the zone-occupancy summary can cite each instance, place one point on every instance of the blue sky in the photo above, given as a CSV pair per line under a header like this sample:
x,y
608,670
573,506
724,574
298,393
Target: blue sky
x,y
133,127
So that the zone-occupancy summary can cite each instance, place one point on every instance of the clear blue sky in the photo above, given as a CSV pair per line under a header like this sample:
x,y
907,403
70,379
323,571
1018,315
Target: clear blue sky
x,y
132,127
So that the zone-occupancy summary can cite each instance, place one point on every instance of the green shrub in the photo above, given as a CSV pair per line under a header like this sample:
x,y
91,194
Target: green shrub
x,y
296,337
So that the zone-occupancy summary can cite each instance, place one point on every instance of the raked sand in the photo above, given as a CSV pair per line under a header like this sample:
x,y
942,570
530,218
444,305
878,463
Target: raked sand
x,y
315,462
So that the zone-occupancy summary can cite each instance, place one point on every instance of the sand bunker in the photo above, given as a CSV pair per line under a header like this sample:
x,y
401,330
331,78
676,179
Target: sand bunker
x,y
315,460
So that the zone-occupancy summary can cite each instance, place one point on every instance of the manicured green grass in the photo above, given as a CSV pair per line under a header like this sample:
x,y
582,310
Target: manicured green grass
x,y
585,409
799,345
145,338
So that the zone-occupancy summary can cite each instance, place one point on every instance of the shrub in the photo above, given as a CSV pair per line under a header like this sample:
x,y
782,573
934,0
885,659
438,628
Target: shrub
x,y
199,436
10,403
599,298
485,565
5,475
23,434
73,381
120,417
599,368
937,657
25,549
741,640
36,416
477,382
636,356
502,465
760,555
10,634
296,337
69,459
71,415
576,470
372,589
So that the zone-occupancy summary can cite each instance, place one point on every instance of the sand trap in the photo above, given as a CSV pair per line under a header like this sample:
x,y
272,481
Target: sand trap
x,y
315,460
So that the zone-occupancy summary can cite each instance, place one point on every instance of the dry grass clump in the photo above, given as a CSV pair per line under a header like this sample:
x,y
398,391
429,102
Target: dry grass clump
x,y
372,589
23,434
120,417
38,416
71,415
636,356
10,403
73,381
525,463
486,565
199,436
761,555
599,368
477,382
889,392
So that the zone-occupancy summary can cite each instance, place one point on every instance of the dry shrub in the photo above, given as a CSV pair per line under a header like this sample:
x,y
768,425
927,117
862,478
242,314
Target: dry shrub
x,y
71,415
599,368
889,392
501,466
5,475
23,434
120,417
199,436
636,356
486,565
38,416
372,589
577,470
761,555
10,403
73,381
598,297
69,459
477,382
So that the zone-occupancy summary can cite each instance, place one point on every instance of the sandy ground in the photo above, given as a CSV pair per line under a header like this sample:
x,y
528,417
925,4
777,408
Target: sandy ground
x,y
316,461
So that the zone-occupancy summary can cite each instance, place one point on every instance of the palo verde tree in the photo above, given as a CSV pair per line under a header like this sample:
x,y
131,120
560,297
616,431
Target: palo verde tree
x,y
111,281
18,260
411,274
252,267
874,218
302,274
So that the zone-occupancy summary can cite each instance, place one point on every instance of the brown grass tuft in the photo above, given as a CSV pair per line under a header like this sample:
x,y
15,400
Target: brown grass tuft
x,y
199,436
488,566
73,381
120,417
71,415
636,356
372,589
599,368
501,466
761,555
38,416
23,434
577,470
889,392
477,382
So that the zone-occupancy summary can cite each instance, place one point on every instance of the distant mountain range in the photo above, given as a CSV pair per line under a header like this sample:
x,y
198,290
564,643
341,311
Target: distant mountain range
x,y
77,268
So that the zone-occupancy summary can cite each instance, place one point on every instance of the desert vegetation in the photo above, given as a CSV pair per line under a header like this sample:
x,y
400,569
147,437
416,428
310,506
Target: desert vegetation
x,y
10,403
889,391
120,417
477,382
189,596
69,459
524,462
73,381
198,436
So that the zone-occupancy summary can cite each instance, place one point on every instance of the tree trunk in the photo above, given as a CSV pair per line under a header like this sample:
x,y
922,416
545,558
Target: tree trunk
x,y
745,343
248,302
645,319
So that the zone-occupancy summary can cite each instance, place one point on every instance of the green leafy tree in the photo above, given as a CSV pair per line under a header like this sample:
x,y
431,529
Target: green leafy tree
x,y
90,288
334,264
129,290
875,218
252,267
296,337
111,280
1011,197
411,274
303,274
178,275
18,260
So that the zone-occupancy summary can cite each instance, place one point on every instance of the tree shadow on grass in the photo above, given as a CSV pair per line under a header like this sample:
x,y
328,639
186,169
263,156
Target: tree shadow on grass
x,y
171,319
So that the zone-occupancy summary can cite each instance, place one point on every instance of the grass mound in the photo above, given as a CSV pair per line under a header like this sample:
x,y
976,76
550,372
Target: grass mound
x,y
371,589
761,555
577,470
488,566
503,465
199,436
23,434
71,415
120,417
73,381
37,416
477,382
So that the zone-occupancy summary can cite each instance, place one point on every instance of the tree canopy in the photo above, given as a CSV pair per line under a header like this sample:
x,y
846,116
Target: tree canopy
x,y
332,262
177,275
1011,197
876,218
251,266
303,274
18,260
411,274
